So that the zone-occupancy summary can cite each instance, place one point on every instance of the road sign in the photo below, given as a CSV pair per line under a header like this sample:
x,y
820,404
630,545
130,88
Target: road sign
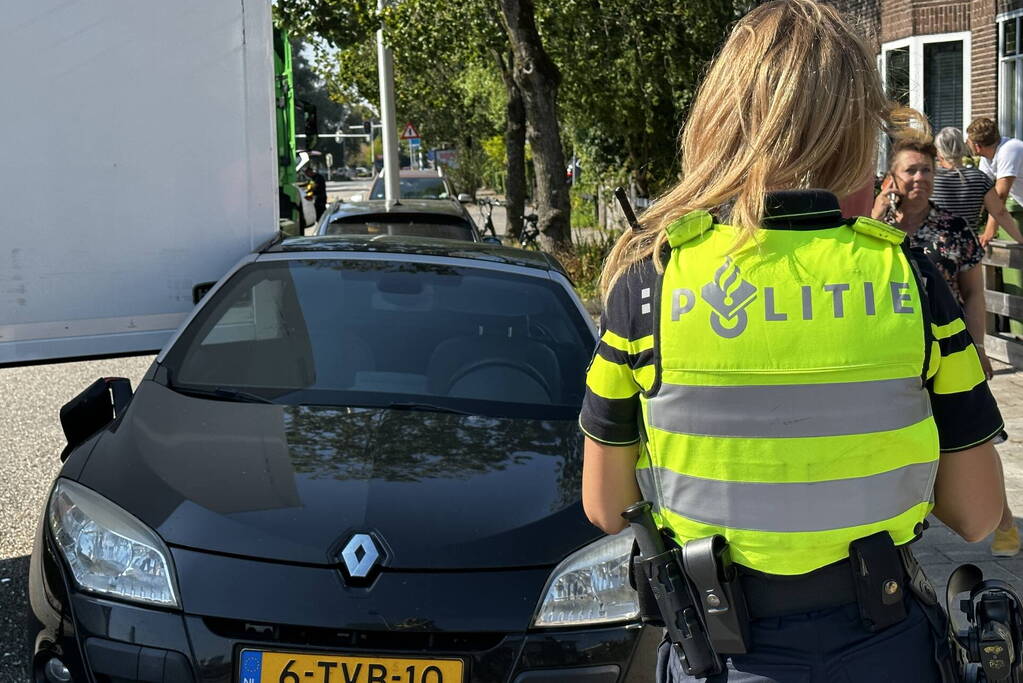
x,y
409,132
414,142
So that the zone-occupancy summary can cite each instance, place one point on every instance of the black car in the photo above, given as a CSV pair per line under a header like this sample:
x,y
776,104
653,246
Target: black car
x,y
445,219
356,462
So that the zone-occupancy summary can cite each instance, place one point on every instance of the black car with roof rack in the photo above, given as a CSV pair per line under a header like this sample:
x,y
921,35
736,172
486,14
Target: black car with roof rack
x,y
357,460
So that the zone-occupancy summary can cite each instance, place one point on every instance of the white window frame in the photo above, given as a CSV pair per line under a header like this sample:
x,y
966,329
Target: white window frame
x,y
916,66
1017,125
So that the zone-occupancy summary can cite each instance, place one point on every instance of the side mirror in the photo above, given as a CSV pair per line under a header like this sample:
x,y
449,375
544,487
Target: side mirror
x,y
490,239
464,198
200,290
90,411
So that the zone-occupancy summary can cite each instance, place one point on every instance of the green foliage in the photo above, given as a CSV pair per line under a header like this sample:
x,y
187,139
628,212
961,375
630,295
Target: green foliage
x,y
467,175
496,163
629,72
585,259
584,204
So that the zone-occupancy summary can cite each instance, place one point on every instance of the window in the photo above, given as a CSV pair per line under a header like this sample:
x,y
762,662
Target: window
x,y
896,81
1010,73
335,332
931,74
943,84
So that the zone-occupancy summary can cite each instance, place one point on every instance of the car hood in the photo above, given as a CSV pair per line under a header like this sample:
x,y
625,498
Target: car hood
x,y
294,483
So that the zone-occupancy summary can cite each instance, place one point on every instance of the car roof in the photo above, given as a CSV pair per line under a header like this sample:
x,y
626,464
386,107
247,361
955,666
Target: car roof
x,y
442,207
425,173
423,246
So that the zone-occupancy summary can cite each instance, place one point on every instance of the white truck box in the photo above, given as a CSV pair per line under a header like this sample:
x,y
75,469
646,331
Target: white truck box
x,y
138,161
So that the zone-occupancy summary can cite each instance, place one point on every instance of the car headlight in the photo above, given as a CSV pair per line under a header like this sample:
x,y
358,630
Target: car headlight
x,y
591,586
109,551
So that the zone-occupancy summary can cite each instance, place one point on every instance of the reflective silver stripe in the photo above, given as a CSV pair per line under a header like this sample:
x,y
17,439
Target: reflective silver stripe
x,y
647,483
790,410
795,507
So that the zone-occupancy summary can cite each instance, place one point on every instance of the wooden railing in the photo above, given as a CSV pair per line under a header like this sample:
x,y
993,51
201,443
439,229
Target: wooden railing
x,y
1002,307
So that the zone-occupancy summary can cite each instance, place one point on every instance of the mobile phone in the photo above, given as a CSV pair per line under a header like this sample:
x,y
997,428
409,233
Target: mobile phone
x,y
893,201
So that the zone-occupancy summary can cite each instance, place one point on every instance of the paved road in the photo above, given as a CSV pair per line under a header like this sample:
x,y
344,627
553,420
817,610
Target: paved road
x,y
30,443
31,439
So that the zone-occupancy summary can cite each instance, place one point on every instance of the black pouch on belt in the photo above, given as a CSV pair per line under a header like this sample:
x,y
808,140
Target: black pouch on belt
x,y
878,577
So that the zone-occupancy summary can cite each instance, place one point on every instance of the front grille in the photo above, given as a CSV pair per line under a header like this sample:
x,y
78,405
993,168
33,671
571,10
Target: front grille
x,y
311,636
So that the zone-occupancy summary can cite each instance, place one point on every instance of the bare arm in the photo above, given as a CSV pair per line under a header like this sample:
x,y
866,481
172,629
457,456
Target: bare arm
x,y
969,491
995,205
1001,190
971,284
609,483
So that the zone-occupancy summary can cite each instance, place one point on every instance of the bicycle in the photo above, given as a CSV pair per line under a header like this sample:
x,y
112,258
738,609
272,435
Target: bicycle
x,y
530,232
487,210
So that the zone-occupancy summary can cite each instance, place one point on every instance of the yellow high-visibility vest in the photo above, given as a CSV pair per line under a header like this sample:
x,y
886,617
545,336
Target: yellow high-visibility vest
x,y
786,408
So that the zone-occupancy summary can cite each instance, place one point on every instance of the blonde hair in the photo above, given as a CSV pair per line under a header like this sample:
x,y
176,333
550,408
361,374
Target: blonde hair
x,y
793,100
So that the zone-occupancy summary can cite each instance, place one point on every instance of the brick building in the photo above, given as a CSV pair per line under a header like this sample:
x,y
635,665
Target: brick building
x,y
954,61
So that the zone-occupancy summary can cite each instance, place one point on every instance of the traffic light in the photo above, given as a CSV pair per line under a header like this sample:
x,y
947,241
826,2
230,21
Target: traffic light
x,y
367,127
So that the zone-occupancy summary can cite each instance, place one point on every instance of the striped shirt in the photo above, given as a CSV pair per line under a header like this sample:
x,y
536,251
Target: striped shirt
x,y
964,409
961,192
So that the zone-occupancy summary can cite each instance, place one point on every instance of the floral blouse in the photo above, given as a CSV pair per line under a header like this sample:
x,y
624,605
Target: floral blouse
x,y
948,242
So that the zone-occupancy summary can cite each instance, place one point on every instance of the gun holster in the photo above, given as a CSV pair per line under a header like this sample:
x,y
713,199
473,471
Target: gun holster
x,y
694,592
649,613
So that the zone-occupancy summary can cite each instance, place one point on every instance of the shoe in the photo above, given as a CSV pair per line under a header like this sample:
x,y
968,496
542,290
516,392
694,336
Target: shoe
x,y
1005,543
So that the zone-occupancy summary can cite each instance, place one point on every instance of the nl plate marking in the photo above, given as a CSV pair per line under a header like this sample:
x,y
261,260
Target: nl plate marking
x,y
258,666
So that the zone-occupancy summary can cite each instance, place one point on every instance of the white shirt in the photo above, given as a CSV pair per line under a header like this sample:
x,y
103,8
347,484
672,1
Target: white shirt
x,y
1008,161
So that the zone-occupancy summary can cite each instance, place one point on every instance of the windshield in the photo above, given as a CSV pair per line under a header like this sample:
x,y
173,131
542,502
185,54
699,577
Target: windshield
x,y
386,333
447,227
427,187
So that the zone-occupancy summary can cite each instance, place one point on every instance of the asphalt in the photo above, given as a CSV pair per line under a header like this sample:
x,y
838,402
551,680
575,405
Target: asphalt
x,y
31,441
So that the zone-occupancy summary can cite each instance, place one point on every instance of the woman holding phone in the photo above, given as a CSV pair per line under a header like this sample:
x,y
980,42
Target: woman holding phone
x,y
951,244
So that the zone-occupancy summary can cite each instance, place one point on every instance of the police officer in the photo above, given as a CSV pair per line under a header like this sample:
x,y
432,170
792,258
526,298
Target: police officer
x,y
795,381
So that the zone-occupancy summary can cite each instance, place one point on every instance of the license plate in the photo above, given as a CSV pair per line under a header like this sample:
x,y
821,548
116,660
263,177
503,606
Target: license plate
x,y
294,667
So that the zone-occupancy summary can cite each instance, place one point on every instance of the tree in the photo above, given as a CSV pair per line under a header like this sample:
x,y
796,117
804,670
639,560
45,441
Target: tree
x,y
612,79
631,68
538,78
515,145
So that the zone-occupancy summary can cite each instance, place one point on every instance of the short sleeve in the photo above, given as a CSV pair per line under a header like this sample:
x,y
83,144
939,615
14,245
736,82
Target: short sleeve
x,y
622,364
1009,160
986,169
964,409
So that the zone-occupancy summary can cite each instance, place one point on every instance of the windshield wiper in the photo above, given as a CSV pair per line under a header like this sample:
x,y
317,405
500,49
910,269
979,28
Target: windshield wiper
x,y
222,394
430,407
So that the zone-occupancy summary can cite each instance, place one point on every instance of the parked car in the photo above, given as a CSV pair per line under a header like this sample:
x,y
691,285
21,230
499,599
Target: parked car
x,y
357,460
361,172
412,217
416,185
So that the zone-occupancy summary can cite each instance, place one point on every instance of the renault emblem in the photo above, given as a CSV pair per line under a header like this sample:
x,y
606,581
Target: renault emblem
x,y
360,555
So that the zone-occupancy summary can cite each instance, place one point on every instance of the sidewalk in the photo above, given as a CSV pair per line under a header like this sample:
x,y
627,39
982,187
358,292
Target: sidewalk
x,y
941,551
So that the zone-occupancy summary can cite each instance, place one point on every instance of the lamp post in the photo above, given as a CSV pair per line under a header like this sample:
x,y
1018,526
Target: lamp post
x,y
385,68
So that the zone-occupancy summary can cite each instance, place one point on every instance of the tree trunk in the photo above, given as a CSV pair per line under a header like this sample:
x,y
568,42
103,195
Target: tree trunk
x,y
538,78
515,148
